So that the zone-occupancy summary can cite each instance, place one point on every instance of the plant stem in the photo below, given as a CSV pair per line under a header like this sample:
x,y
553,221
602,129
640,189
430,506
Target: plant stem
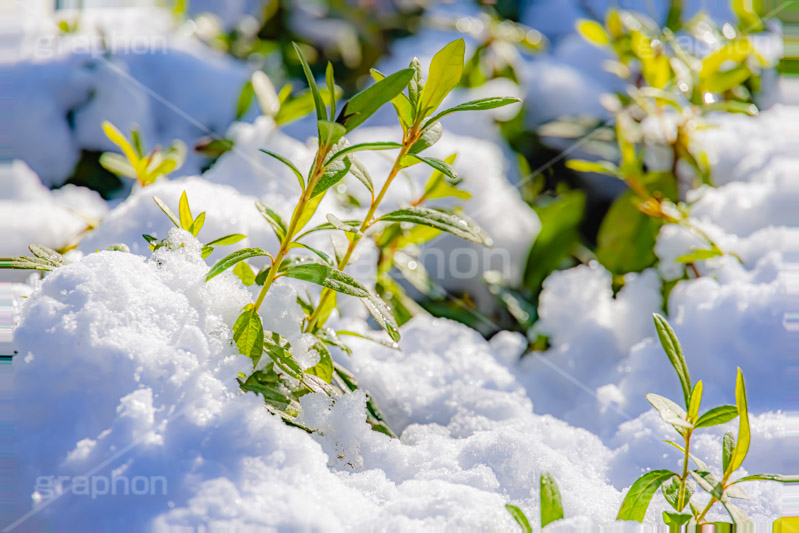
x,y
705,510
681,495
318,171
410,137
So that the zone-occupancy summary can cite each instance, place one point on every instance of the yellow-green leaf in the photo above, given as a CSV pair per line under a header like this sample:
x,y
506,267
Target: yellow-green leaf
x,y
742,445
117,138
593,32
445,73
185,214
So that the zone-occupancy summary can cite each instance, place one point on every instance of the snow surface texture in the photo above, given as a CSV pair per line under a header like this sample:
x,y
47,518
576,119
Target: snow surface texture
x,y
150,78
143,384
32,214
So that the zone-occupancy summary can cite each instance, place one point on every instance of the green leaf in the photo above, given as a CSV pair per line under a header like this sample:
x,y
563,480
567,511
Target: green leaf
x,y
300,105
482,104
232,259
279,350
671,345
593,32
334,173
439,187
445,73
168,212
205,251
248,333
670,412
551,505
364,104
227,239
197,225
382,342
442,166
273,219
331,89
245,100
441,220
330,132
405,111
415,84
676,519
265,93
358,170
727,447
699,255
709,483
671,492
742,445
518,515
769,477
324,368
243,271
116,137
340,225
289,164
116,164
185,213
696,401
717,416
327,276
319,104
600,167
560,222
637,499
382,315
321,254
361,147
430,136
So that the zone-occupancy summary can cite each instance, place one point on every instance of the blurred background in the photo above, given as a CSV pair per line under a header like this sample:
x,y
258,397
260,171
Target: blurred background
x,y
182,70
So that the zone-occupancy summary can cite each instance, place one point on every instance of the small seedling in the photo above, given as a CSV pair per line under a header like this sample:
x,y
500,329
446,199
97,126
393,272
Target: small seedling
x,y
134,164
678,488
417,104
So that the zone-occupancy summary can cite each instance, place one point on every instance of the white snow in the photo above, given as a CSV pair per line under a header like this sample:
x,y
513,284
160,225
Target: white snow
x,y
154,76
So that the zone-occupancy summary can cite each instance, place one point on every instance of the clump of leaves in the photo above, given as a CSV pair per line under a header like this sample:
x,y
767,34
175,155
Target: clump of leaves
x,y
679,488
282,381
135,162
670,91
185,221
550,503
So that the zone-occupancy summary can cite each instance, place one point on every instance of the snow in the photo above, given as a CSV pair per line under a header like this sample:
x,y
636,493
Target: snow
x,y
32,214
150,78
126,368
146,354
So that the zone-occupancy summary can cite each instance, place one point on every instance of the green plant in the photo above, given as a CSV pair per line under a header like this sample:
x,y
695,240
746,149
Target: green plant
x,y
550,503
192,224
677,488
282,381
134,164
670,92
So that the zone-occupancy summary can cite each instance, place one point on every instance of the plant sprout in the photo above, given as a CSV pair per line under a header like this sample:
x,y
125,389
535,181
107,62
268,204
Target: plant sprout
x,y
677,488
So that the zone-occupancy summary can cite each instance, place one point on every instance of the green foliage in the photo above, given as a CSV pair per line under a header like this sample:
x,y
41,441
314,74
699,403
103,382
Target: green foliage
x,y
145,169
394,232
679,493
